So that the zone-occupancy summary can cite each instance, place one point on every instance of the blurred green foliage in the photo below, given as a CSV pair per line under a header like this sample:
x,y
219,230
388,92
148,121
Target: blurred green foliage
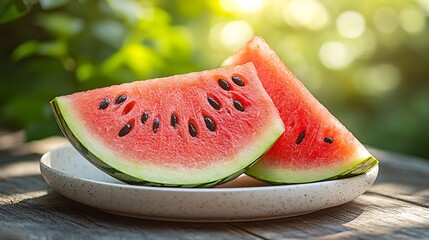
x,y
367,62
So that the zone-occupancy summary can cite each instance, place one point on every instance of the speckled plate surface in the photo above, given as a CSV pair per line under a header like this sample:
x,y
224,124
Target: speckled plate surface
x,y
243,199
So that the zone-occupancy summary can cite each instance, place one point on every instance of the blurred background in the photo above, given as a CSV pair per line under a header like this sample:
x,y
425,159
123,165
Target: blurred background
x,y
368,62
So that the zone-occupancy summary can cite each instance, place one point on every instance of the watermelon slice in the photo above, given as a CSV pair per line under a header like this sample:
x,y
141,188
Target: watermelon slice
x,y
192,130
315,145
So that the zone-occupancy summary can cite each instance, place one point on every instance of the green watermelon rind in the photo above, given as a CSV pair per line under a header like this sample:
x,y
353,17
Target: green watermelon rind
x,y
279,176
79,142
359,169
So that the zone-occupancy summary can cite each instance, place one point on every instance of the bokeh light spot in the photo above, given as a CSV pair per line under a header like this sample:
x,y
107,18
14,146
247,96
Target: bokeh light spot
x,y
366,45
214,35
306,13
412,20
234,34
350,24
425,5
386,19
242,6
84,72
335,55
378,79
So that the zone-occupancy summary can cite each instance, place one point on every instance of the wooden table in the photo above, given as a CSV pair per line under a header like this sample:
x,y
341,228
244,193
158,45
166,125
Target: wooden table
x,y
396,207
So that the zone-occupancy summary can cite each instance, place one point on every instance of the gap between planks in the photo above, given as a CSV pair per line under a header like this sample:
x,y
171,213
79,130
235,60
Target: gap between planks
x,y
399,199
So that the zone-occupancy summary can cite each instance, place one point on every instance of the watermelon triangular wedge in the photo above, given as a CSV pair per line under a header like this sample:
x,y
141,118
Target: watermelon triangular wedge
x,y
315,145
193,130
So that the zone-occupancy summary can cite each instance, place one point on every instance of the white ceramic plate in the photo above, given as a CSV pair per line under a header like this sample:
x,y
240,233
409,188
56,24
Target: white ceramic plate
x,y
243,199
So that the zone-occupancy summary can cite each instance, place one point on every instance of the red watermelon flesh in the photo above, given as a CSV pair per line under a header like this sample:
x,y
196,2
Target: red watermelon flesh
x,y
196,129
315,145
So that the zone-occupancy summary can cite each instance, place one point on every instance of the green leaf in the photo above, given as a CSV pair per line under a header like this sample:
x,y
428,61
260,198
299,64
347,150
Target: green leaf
x,y
24,50
13,9
9,11
29,48
4,5
60,24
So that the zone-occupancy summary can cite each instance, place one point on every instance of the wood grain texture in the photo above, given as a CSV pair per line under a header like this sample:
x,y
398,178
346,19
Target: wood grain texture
x,y
403,177
370,216
396,207
29,209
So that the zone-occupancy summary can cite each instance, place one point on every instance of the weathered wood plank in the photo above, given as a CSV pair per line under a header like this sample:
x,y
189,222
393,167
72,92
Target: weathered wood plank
x,y
29,209
51,216
403,177
370,216
395,207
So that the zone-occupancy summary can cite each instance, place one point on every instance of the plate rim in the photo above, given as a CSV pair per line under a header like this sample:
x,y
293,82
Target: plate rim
x,y
55,177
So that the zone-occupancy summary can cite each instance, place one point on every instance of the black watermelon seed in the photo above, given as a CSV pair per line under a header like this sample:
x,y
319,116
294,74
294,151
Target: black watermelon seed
x,y
121,99
300,138
104,103
238,105
213,103
192,130
174,120
156,124
125,130
328,140
237,80
223,84
144,117
210,124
